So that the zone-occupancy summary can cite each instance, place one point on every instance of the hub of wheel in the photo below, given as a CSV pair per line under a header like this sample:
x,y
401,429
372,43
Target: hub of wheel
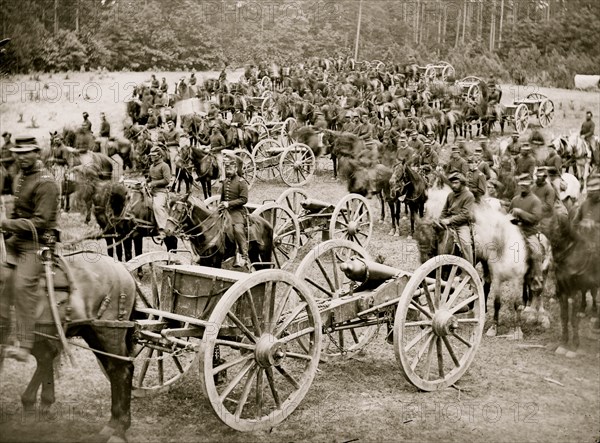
x,y
353,228
444,323
269,351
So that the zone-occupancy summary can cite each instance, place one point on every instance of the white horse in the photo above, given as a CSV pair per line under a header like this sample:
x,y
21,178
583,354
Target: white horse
x,y
574,146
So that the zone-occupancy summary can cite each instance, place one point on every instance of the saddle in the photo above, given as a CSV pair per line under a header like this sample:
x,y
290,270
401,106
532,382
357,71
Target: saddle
x,y
252,228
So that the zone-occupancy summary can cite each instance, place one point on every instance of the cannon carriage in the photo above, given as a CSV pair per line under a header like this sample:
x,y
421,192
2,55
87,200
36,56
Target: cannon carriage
x,y
522,109
442,70
258,338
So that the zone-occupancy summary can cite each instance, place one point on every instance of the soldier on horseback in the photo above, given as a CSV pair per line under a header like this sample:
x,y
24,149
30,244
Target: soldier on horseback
x,y
159,177
458,213
514,147
456,163
234,195
476,180
31,225
526,209
482,165
7,164
547,195
525,161
587,129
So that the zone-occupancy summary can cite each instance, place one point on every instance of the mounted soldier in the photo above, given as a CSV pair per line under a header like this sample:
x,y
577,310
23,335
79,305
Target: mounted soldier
x,y
482,165
7,164
428,159
404,153
476,180
86,124
104,126
525,161
526,210
234,195
458,214
171,140
588,128
456,163
514,147
154,82
32,224
547,195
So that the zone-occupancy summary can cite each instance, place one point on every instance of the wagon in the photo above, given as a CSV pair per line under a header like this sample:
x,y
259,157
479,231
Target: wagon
x,y
439,70
534,104
294,163
264,106
470,89
258,338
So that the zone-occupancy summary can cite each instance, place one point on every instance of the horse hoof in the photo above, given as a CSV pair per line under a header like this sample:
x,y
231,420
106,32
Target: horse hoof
x,y
409,237
392,232
571,354
492,332
517,335
560,350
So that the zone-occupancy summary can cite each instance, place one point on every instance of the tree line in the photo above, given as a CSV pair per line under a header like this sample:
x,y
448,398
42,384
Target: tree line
x,y
541,41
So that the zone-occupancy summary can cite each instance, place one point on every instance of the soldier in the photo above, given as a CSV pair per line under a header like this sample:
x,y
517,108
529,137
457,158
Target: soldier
x,y
154,82
462,146
483,166
164,88
31,225
588,212
396,121
526,209
547,195
348,125
414,142
456,163
171,140
485,152
587,129
152,121
238,120
234,195
192,79
514,147
363,129
86,124
458,213
525,161
217,145
7,165
104,126
404,153
159,177
428,159
476,180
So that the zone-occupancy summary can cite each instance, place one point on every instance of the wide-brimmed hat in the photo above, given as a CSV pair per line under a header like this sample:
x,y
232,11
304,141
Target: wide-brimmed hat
x,y
478,150
542,170
516,134
25,144
155,150
525,147
524,179
457,176
455,148
414,132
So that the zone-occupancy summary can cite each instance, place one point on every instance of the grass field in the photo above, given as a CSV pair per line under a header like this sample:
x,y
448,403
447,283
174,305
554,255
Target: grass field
x,y
509,394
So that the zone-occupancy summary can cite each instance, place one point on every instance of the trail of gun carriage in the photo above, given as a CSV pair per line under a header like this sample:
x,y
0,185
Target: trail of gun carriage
x,y
310,248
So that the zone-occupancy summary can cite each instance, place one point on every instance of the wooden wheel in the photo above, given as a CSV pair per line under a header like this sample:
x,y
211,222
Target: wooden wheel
x,y
159,365
292,199
213,201
288,127
521,118
261,128
257,120
448,72
266,82
286,232
297,164
248,166
474,94
439,322
266,94
352,220
258,324
320,268
429,73
546,113
536,96
266,167
268,109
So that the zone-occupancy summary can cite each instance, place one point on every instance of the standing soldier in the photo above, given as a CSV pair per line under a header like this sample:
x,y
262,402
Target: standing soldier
x,y
7,165
458,213
32,224
476,180
159,177
525,161
164,87
234,195
104,126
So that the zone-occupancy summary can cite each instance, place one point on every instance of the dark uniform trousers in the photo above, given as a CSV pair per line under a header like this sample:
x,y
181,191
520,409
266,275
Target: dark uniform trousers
x,y
36,206
235,192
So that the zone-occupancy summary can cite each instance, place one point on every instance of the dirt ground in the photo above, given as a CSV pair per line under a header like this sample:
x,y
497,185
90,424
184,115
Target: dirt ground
x,y
510,393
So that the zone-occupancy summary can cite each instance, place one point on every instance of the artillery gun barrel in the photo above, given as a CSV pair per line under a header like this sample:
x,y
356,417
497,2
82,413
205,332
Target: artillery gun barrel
x,y
367,272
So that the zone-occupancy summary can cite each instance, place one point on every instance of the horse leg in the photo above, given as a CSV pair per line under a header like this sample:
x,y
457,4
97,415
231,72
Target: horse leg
x,y
574,310
563,299
334,159
495,289
120,375
412,222
44,354
170,243
391,205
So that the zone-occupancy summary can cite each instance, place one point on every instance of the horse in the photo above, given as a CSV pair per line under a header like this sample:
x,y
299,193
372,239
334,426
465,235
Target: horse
x,y
197,129
408,186
576,257
499,247
318,141
578,155
210,233
92,280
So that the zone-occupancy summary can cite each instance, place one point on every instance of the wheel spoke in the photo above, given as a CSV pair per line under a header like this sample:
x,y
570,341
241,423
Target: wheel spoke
x,y
451,351
425,287
246,392
438,287
144,370
424,347
178,364
161,371
440,358
242,327
329,282
462,340
259,392
319,287
291,317
298,356
464,303
422,334
235,344
236,380
457,291
277,314
428,360
271,381
420,308
296,335
288,377
448,285
254,315
232,363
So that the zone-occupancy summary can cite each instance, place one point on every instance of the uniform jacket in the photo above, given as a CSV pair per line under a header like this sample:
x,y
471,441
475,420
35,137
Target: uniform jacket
x,y
525,165
36,199
477,183
532,207
104,129
554,161
459,208
547,196
457,165
235,192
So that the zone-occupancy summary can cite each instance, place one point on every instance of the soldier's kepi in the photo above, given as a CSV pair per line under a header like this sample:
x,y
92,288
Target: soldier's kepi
x,y
234,195
31,225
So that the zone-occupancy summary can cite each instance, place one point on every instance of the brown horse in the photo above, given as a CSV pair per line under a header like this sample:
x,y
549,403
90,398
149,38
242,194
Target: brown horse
x,y
211,234
409,186
93,280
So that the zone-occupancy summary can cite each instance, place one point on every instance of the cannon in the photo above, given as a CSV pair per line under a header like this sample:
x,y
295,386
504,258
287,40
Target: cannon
x,y
258,338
